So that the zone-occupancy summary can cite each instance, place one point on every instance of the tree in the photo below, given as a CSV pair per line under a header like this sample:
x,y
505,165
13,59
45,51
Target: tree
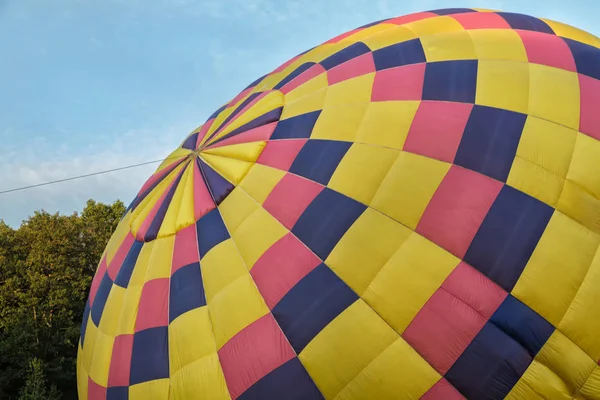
x,y
46,268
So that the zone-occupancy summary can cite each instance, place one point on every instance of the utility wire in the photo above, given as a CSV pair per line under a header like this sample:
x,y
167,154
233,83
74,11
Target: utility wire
x,y
85,175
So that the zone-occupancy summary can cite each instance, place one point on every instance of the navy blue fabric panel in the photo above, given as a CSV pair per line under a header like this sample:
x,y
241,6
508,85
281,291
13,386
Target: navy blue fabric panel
x,y
448,11
451,81
190,142
326,220
99,301
218,186
117,393
264,119
318,159
290,381
154,227
217,112
396,55
348,53
508,235
298,127
294,74
311,304
587,58
150,356
210,231
490,366
523,324
490,140
526,22
187,290
124,274
86,315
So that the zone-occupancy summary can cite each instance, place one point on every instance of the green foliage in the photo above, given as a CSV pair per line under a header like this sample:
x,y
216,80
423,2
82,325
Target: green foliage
x,y
46,268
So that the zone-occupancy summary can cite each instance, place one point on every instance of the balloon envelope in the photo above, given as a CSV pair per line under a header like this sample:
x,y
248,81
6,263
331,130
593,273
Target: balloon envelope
x,y
409,210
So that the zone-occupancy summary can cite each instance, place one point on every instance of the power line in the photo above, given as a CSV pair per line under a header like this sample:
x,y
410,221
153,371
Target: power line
x,y
85,175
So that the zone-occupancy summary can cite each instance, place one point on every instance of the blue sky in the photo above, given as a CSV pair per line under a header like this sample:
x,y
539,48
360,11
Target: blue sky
x,y
90,85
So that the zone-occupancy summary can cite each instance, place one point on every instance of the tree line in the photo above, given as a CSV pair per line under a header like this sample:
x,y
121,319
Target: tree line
x,y
46,268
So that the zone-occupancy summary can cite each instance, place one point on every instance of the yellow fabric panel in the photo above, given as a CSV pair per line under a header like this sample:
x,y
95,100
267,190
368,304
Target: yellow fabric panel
x,y
571,32
138,276
173,157
580,205
269,102
557,267
241,151
202,379
542,159
260,181
408,187
399,373
129,309
339,123
116,240
250,245
367,32
190,338
159,265
186,216
430,26
387,123
169,224
448,46
223,115
152,390
581,323
82,377
417,270
362,170
554,95
112,311
231,169
236,208
585,165
89,343
591,389
222,265
100,365
503,84
317,83
498,44
365,248
321,52
269,81
306,104
354,90
566,360
396,34
539,383
345,347
235,307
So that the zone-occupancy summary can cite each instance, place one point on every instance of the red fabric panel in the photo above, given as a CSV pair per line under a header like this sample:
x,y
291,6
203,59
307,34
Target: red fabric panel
x,y
281,154
119,257
304,77
590,106
97,279
120,361
357,66
483,20
95,391
290,197
399,83
458,208
153,310
240,96
185,249
546,49
254,352
437,129
203,130
258,134
405,19
442,390
282,266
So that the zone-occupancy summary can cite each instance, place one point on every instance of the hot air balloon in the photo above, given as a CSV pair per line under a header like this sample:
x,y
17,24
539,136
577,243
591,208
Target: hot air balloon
x,y
408,210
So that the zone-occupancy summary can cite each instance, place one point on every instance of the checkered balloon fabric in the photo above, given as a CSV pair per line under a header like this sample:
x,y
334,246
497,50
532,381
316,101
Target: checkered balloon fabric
x,y
410,210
